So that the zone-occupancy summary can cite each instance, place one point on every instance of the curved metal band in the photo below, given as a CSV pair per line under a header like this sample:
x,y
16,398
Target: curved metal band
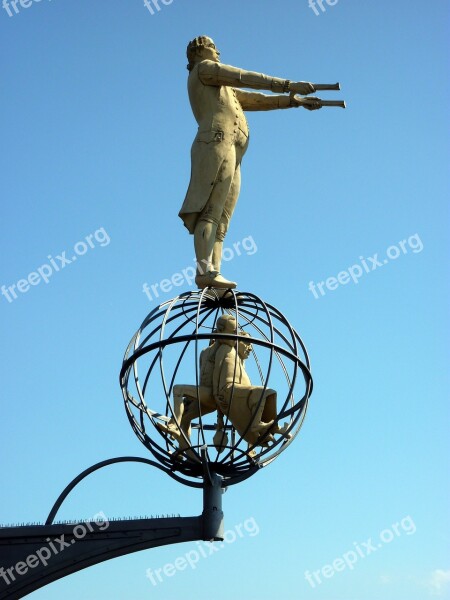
x,y
207,336
105,463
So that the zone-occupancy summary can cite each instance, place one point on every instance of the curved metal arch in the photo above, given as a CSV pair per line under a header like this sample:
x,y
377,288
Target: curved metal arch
x,y
105,463
128,362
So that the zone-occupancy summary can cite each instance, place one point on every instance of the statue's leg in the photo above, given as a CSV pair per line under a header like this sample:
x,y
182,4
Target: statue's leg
x,y
206,229
257,403
241,144
270,414
193,410
262,418
240,405
204,236
224,223
194,405
220,439
270,406
180,392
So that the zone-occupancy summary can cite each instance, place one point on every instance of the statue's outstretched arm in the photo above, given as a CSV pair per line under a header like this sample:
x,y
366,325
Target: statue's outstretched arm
x,y
213,73
258,101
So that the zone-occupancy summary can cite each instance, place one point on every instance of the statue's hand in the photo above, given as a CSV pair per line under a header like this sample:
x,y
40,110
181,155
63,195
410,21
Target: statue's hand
x,y
301,87
311,103
220,400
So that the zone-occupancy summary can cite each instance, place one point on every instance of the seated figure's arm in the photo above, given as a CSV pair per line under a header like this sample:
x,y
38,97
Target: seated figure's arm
x,y
224,368
217,368
258,101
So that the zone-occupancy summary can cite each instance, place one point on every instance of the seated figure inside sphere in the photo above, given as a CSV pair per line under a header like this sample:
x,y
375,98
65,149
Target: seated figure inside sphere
x,y
252,409
224,386
188,399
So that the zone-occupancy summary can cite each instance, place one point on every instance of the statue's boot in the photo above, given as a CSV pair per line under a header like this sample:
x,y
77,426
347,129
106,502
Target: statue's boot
x,y
184,450
177,455
213,279
251,454
268,439
282,431
171,429
261,427
259,431
224,293
188,453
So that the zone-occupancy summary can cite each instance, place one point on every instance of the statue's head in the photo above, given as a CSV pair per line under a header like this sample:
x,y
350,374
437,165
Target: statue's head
x,y
226,324
201,48
244,346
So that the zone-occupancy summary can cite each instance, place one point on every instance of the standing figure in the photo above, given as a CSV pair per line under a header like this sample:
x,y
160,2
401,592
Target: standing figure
x,y
218,105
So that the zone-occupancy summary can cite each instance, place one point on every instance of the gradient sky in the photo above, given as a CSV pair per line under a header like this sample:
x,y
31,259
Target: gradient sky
x,y
96,134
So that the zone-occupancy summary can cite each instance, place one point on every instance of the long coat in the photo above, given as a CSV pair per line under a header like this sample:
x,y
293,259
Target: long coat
x,y
218,108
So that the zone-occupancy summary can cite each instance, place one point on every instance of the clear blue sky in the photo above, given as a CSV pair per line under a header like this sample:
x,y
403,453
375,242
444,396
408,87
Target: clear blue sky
x,y
96,134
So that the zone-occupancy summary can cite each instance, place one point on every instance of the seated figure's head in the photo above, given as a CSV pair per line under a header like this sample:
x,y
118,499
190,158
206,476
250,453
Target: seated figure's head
x,y
226,324
201,48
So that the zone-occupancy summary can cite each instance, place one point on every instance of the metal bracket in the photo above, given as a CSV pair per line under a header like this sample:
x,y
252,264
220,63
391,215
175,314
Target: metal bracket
x,y
33,556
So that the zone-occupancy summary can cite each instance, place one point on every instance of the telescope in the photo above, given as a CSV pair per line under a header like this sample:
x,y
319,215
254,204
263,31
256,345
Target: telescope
x,y
340,103
320,87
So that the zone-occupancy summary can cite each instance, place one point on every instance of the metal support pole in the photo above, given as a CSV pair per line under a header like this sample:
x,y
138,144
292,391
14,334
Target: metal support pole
x,y
212,515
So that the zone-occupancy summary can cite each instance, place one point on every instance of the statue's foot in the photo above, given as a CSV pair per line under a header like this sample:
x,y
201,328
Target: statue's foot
x,y
189,454
215,280
261,427
268,439
223,293
170,429
186,453
282,431
251,454
178,456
